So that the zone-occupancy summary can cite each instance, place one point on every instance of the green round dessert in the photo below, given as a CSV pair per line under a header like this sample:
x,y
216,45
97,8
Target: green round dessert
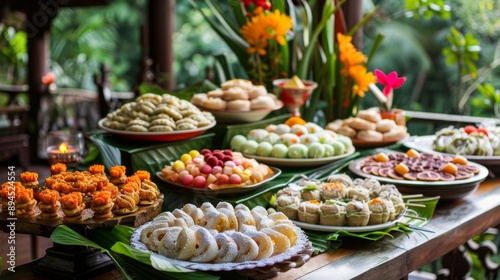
x,y
237,142
279,151
298,151
329,152
346,140
316,150
272,138
264,149
338,148
250,147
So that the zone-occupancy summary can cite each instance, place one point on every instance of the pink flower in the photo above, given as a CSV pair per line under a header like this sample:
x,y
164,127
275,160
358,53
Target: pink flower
x,y
391,81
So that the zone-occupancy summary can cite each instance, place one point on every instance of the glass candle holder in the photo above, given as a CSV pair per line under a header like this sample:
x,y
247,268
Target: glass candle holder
x,y
65,146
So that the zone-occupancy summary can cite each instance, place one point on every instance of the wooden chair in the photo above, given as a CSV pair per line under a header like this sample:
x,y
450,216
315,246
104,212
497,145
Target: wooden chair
x,y
14,139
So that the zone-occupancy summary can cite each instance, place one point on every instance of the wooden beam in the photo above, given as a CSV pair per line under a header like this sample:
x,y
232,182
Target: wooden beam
x,y
161,26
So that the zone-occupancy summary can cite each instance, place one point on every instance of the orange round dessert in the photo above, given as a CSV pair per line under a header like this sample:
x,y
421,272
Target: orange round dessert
x,y
401,169
450,168
460,160
381,157
412,153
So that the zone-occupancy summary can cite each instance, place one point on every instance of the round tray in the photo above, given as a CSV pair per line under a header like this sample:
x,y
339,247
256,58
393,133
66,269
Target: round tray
x,y
447,190
221,191
233,116
302,162
374,144
301,244
156,136
367,228
424,144
36,226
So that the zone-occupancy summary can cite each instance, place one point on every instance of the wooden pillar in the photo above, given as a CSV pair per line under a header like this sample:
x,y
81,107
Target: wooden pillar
x,y
38,22
353,11
161,26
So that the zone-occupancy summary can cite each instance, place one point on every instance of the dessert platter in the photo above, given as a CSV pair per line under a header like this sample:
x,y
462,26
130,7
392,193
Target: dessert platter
x,y
479,145
221,237
153,117
217,172
237,101
81,199
424,173
341,203
293,143
369,130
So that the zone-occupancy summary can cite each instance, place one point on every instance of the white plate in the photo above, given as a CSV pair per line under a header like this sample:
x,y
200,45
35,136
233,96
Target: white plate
x,y
299,162
348,228
157,136
300,245
483,173
232,116
424,144
222,191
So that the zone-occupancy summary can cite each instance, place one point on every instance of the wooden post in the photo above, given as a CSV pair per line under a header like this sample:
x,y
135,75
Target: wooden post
x,y
353,11
161,25
38,22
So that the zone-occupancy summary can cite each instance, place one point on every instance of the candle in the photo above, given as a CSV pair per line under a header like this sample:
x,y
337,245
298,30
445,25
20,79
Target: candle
x,y
64,153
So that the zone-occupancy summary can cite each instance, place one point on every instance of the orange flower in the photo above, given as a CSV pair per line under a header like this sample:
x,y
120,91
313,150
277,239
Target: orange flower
x,y
263,27
295,120
353,65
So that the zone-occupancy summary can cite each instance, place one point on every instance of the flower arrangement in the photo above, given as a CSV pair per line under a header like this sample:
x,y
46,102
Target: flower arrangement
x,y
275,39
265,33
390,82
353,79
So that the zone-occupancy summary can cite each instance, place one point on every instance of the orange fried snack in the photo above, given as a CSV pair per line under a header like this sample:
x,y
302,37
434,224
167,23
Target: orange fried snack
x,y
97,169
57,168
72,207
49,204
29,177
9,188
143,175
25,203
102,204
117,175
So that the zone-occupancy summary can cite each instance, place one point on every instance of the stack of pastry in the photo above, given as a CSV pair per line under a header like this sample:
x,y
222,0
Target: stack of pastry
x,y
369,126
158,113
236,95
49,205
219,234
25,203
72,206
30,181
127,199
102,204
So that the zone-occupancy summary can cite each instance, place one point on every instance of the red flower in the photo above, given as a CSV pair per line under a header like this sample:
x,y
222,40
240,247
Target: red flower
x,y
48,79
391,81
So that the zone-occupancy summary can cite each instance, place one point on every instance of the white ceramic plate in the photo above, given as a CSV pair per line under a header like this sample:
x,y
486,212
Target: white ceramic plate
x,y
483,173
348,228
231,116
156,136
300,245
296,162
424,144
222,191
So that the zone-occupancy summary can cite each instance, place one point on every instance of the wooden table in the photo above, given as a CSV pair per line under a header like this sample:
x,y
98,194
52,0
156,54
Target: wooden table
x,y
454,223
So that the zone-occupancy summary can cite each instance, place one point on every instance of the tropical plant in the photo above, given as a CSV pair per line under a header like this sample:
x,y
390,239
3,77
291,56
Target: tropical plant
x,y
310,51
14,54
